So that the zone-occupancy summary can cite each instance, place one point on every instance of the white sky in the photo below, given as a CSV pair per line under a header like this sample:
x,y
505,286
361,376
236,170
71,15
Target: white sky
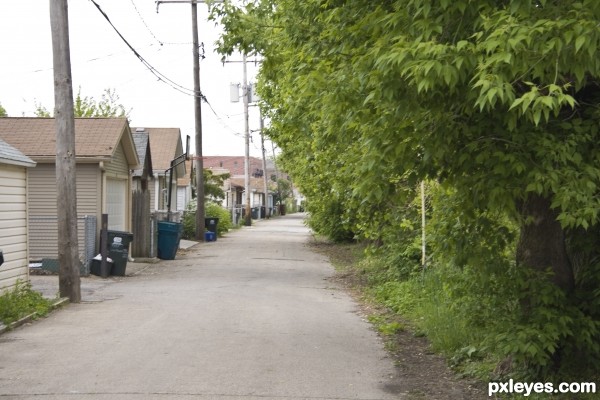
x,y
101,60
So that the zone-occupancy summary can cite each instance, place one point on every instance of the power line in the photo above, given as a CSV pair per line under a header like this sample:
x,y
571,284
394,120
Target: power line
x,y
161,77
144,22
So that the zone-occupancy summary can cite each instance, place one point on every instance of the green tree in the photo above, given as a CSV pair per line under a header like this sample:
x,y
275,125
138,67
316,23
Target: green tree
x,y
495,99
107,106
3,112
88,107
213,186
41,111
214,195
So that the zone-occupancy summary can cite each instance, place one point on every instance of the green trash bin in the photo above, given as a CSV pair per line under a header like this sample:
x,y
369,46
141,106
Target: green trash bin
x,y
169,235
118,250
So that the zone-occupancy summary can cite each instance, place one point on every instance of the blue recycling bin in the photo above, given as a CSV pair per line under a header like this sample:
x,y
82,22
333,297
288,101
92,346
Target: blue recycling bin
x,y
211,224
210,236
169,235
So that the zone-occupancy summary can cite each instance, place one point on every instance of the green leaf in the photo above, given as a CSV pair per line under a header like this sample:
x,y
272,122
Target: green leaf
x,y
579,42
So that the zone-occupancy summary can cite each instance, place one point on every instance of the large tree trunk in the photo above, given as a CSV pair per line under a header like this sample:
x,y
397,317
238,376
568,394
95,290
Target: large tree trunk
x,y
542,242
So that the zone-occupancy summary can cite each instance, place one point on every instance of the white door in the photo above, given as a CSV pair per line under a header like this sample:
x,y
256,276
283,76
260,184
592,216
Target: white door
x,y
116,203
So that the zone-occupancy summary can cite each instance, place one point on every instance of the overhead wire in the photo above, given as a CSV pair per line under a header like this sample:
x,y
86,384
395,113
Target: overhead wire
x,y
161,77
144,22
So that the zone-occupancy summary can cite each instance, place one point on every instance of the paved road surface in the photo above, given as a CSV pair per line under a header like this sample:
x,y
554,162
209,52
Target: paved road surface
x,y
251,316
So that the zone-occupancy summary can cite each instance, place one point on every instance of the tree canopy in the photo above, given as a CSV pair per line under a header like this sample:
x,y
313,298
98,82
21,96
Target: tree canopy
x,y
494,101
88,107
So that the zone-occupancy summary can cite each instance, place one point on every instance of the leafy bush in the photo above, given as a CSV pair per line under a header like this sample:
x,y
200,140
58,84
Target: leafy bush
x,y
329,218
210,210
20,301
216,211
490,317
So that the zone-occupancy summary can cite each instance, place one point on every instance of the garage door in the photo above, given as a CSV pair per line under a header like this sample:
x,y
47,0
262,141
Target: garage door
x,y
116,203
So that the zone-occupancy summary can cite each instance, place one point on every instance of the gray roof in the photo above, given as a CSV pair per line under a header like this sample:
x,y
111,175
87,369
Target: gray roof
x,y
10,155
141,140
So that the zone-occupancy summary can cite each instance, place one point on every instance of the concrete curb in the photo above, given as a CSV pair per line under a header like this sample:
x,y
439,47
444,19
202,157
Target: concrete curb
x,y
28,318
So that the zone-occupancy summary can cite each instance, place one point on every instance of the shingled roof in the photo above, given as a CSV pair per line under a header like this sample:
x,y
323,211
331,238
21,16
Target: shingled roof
x,y
165,145
233,164
142,144
96,139
10,155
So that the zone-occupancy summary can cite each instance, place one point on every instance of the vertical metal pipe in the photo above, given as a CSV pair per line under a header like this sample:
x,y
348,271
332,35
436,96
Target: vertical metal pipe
x,y
248,218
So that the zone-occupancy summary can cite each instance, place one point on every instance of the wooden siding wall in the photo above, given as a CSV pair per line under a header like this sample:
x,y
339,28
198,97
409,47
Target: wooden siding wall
x,y
42,189
43,237
13,225
118,167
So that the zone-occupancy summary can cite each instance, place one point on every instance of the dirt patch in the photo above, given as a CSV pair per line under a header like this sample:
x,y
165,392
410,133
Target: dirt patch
x,y
421,374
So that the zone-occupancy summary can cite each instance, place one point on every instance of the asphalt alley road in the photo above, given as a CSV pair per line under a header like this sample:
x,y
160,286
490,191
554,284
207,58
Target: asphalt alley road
x,y
251,316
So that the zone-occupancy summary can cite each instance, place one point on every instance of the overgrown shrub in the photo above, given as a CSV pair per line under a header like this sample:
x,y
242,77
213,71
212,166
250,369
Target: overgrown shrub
x,y
210,210
20,301
490,317
329,218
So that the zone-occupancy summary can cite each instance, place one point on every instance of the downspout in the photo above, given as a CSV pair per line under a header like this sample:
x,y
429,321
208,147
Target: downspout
x,y
102,201
156,191
102,188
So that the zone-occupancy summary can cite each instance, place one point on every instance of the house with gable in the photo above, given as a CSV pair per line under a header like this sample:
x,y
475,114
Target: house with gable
x,y
185,186
142,225
14,254
165,146
143,176
105,159
234,187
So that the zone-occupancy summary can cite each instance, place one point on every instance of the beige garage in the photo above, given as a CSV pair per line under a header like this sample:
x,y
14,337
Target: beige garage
x,y
14,168
105,155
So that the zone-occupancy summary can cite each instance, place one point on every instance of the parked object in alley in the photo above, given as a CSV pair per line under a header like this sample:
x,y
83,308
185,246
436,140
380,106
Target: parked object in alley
x,y
169,235
211,224
118,250
96,265
210,236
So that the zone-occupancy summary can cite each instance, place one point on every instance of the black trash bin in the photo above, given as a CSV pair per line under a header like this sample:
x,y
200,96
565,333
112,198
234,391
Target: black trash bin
x,y
255,212
118,250
211,224
96,267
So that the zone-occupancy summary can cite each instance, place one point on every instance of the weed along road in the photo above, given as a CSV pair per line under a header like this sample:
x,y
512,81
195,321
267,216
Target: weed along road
x,y
251,316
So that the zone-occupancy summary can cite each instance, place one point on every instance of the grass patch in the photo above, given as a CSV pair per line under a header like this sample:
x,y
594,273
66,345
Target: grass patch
x,y
21,301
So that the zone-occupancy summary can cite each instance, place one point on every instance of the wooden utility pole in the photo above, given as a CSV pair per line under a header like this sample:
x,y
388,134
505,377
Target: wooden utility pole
x,y
198,160
68,248
198,122
264,157
248,216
